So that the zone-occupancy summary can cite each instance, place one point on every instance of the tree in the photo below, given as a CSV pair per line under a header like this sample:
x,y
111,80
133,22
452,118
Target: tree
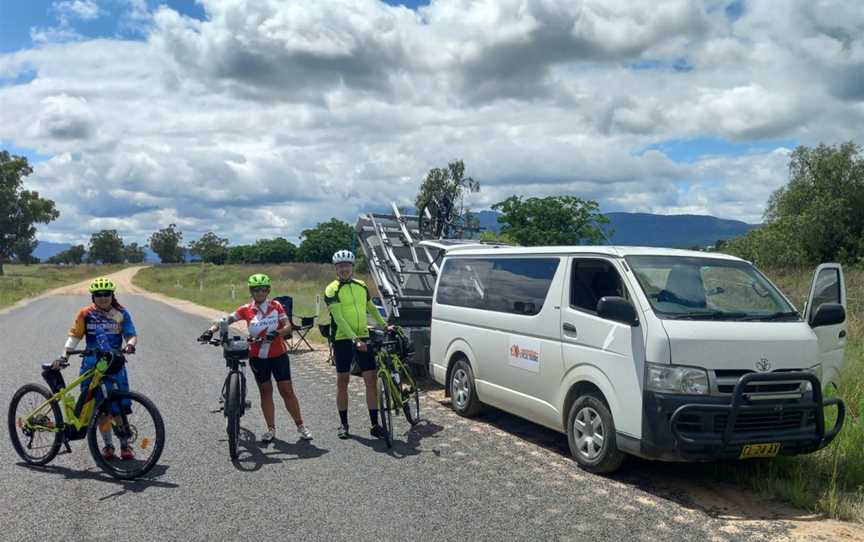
x,y
210,248
72,255
166,244
490,236
19,209
278,250
443,194
106,246
817,216
241,254
553,220
23,250
320,242
132,253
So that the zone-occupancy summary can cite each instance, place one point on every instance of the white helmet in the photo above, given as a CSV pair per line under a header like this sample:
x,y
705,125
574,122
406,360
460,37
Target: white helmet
x,y
343,256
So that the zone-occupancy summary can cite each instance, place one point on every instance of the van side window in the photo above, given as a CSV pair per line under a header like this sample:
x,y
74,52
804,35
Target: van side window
x,y
592,280
513,285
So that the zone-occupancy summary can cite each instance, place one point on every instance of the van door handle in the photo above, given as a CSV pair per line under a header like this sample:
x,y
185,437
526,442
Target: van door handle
x,y
569,328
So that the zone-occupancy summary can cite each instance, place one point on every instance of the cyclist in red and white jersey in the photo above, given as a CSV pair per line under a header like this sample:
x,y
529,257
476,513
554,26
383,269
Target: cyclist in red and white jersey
x,y
267,319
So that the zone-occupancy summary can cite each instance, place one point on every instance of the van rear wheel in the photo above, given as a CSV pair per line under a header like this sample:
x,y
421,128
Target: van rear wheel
x,y
463,394
591,435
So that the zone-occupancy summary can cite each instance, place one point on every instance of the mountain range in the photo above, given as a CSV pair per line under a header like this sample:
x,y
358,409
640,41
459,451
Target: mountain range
x,y
650,230
629,229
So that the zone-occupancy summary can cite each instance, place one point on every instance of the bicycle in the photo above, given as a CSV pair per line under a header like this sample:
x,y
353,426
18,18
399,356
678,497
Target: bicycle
x,y
397,389
52,419
235,350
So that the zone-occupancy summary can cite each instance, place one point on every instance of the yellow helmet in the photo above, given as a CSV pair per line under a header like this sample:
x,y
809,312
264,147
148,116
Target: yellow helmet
x,y
102,284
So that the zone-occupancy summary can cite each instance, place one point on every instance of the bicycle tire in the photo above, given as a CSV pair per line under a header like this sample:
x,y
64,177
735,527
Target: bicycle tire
x,y
116,468
385,411
411,396
15,432
233,411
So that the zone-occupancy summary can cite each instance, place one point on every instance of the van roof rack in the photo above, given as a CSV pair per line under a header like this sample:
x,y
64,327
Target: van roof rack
x,y
403,264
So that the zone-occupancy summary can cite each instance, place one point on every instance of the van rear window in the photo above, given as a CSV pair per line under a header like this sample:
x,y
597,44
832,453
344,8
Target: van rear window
x,y
512,285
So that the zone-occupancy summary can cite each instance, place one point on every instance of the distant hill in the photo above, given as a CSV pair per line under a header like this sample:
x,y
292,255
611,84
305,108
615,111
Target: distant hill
x,y
646,229
46,249
639,229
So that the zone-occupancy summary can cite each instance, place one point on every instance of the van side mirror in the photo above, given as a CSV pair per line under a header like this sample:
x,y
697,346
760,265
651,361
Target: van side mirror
x,y
828,314
617,309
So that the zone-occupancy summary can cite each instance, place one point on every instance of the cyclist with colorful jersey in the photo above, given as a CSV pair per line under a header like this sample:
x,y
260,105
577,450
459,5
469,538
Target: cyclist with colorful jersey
x,y
267,319
105,325
349,302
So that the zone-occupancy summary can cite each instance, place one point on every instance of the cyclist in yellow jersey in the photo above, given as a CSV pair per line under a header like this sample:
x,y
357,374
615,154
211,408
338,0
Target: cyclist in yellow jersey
x,y
350,303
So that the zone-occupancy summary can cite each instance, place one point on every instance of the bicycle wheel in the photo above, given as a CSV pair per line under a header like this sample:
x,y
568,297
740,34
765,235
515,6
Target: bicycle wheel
x,y
137,424
35,445
385,410
411,406
233,411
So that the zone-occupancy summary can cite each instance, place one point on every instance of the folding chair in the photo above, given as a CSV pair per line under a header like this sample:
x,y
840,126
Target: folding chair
x,y
324,329
307,323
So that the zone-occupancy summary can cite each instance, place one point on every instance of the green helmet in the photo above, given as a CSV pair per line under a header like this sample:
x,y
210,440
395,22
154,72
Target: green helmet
x,y
103,284
259,279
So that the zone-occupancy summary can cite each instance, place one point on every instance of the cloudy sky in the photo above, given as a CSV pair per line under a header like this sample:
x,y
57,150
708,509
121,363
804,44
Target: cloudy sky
x,y
258,118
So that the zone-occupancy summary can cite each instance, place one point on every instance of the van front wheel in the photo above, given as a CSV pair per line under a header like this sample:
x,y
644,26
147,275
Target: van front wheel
x,y
591,434
463,394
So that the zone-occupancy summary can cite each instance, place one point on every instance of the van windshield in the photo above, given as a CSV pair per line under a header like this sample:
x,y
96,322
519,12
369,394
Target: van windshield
x,y
709,289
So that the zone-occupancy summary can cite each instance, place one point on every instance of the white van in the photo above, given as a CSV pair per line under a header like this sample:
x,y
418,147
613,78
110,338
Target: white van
x,y
658,353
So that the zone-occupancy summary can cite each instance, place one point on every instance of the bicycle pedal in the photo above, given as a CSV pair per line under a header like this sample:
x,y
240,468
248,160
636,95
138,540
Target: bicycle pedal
x,y
248,404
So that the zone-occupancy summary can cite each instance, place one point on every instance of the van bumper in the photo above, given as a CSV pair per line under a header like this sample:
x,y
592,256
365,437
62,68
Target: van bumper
x,y
704,428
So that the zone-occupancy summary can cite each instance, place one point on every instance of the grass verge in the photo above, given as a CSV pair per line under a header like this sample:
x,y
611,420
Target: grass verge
x,y
223,287
830,481
22,281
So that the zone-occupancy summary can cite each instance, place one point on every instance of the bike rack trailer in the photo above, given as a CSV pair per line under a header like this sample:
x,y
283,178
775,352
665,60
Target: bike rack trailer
x,y
404,267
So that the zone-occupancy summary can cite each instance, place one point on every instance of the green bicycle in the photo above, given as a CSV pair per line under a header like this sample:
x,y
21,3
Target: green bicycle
x,y
38,426
397,389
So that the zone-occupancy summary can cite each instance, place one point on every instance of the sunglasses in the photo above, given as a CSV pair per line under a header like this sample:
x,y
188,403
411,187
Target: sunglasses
x,y
259,289
103,294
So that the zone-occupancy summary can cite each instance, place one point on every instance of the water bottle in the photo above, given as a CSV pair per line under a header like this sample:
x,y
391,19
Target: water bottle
x,y
396,377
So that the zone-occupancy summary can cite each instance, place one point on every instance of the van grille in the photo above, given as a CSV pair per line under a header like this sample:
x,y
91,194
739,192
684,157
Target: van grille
x,y
747,422
725,380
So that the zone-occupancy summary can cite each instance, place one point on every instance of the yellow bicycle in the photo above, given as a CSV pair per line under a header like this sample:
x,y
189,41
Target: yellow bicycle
x,y
397,389
41,421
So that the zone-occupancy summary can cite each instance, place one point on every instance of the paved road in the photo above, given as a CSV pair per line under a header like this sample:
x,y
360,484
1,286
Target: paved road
x,y
448,479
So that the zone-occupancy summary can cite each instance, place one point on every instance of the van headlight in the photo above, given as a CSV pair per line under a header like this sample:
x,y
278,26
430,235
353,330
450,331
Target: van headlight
x,y
676,379
816,370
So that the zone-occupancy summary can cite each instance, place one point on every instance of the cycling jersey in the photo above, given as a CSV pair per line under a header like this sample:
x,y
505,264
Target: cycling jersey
x,y
350,303
103,331
262,319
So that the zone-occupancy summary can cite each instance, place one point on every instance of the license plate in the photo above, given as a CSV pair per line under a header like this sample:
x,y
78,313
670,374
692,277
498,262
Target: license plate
x,y
760,450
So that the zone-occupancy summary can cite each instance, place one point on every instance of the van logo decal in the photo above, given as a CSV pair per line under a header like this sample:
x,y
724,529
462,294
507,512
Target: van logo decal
x,y
763,365
524,353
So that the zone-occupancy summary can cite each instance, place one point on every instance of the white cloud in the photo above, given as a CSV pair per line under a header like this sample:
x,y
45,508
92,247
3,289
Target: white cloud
x,y
86,10
270,116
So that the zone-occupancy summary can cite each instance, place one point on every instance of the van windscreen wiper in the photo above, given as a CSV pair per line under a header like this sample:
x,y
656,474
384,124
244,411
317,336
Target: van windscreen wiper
x,y
774,316
706,315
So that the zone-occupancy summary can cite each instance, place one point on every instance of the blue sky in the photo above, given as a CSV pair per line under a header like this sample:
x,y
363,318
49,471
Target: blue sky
x,y
276,114
17,17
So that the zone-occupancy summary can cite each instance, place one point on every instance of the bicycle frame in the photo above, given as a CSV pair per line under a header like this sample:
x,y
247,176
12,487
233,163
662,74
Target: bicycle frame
x,y
80,414
389,362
